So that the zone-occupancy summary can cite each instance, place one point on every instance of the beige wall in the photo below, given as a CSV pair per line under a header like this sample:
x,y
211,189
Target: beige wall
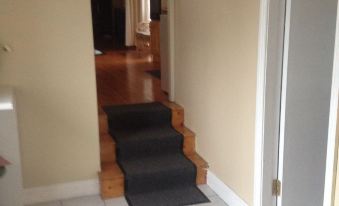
x,y
215,80
52,68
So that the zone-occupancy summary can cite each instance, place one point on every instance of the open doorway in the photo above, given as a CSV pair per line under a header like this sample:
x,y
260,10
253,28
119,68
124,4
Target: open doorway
x,y
108,24
128,39
135,117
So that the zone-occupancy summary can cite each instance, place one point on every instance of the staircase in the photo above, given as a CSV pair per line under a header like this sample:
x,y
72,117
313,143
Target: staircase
x,y
112,178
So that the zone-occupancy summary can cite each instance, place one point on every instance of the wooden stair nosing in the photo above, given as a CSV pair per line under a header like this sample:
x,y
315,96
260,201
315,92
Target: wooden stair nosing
x,y
107,152
177,113
189,139
101,111
103,124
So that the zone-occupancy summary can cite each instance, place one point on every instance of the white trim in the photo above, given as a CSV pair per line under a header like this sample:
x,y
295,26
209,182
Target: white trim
x,y
61,191
223,191
269,69
6,106
6,98
171,30
331,142
260,103
283,99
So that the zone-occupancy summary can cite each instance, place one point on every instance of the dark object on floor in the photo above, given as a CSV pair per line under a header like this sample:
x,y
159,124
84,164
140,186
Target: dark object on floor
x,y
155,73
149,151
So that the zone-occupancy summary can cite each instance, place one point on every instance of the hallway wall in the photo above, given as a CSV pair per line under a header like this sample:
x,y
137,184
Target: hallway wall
x,y
215,80
52,69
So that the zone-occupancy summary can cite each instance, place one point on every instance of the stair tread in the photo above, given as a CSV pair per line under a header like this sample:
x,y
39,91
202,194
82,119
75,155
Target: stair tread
x,y
137,108
160,197
126,117
112,170
172,105
148,142
149,133
151,165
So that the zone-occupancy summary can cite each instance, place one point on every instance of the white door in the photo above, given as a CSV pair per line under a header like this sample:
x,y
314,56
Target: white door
x,y
306,94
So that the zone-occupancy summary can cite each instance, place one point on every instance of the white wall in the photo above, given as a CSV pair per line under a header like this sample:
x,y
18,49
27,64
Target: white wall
x,y
52,69
215,80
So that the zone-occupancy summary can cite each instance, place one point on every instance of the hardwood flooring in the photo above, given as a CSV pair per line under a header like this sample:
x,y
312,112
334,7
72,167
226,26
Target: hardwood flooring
x,y
121,78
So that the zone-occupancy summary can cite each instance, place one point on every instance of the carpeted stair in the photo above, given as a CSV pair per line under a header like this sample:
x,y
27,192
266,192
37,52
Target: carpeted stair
x,y
150,154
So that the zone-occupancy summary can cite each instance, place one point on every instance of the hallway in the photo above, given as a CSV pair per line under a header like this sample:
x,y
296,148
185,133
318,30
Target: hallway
x,y
122,78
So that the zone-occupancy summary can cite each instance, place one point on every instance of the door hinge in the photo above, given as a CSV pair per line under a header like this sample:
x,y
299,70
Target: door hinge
x,y
276,188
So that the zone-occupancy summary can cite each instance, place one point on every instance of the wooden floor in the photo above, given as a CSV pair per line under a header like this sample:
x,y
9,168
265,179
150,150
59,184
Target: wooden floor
x,y
121,78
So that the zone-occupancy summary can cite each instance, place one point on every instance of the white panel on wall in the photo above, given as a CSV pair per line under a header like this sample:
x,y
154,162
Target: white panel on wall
x,y
11,181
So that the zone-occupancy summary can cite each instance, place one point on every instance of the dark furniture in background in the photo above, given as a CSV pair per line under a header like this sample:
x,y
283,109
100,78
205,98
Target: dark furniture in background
x,y
155,9
108,18
102,17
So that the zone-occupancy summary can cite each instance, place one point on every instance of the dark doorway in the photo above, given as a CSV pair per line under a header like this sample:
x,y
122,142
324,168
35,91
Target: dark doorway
x,y
108,23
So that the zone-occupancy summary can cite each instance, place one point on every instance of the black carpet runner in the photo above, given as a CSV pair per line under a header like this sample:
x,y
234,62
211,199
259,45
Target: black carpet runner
x,y
149,151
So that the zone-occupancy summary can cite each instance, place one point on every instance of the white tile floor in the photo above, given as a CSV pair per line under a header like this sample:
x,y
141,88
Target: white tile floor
x,y
96,200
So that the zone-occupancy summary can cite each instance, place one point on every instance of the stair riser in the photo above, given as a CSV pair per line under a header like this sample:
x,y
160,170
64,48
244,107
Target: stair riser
x,y
201,176
177,114
103,124
112,188
177,118
107,152
189,145
115,187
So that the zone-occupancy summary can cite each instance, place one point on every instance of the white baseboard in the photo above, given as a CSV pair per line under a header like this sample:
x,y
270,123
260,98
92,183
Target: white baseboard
x,y
91,187
223,191
61,191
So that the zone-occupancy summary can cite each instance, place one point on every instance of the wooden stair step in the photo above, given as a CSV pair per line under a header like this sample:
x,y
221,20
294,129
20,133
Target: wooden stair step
x,y
202,167
111,180
198,160
103,124
189,140
106,138
177,113
107,149
101,111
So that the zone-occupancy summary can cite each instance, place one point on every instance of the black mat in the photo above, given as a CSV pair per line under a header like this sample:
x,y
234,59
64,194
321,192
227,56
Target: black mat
x,y
149,151
155,73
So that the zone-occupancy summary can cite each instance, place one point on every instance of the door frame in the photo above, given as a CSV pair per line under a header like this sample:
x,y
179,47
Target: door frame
x,y
268,99
332,142
264,140
171,39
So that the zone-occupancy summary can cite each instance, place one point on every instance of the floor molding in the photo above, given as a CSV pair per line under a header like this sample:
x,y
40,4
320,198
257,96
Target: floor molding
x,y
224,192
91,187
60,191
